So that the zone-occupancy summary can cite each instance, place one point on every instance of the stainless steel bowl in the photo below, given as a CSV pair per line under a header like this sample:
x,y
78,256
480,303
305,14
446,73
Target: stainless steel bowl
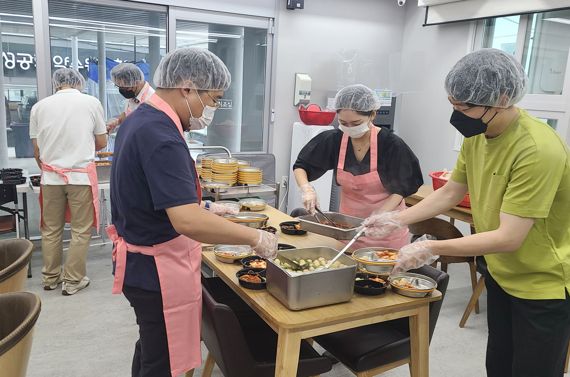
x,y
368,262
426,285
231,253
250,219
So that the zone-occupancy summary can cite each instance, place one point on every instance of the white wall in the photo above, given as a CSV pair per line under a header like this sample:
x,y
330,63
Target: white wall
x,y
313,40
423,113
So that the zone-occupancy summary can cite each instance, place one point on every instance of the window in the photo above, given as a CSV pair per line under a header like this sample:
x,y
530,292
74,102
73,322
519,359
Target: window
x,y
19,79
86,35
241,120
541,42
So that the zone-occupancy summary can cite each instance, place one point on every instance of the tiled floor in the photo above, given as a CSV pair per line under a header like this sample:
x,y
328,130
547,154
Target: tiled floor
x,y
93,332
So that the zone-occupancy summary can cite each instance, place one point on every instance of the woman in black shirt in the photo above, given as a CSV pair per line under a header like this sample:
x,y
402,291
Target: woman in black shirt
x,y
373,166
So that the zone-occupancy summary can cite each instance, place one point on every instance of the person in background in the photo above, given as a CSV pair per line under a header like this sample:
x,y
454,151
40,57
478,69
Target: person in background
x,y
131,83
517,171
158,220
66,129
373,166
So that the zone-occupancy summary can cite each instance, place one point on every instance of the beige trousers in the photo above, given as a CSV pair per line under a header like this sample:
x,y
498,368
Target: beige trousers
x,y
80,201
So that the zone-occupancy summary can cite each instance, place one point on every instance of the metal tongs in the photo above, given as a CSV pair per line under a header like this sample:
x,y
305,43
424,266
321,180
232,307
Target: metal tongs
x,y
330,222
344,249
295,265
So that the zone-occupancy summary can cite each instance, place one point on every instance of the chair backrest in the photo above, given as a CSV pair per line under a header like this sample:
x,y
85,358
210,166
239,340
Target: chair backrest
x,y
442,280
15,255
19,312
439,228
224,338
8,194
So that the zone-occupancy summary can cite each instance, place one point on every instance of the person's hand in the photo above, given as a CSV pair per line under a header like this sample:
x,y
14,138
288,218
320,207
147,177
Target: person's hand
x,y
221,209
112,124
310,200
380,225
266,246
415,255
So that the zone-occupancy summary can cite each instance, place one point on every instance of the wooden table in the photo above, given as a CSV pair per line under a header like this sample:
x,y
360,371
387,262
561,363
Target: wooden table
x,y
293,326
456,213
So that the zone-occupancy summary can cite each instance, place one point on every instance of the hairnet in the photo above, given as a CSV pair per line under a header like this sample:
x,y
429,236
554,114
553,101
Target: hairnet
x,y
67,77
195,68
356,97
487,77
127,75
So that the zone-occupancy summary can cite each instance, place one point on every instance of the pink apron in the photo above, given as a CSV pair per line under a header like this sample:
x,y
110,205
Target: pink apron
x,y
91,171
178,263
362,194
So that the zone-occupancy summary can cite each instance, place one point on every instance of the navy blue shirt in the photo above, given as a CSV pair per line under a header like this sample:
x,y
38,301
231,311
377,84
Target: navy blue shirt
x,y
152,170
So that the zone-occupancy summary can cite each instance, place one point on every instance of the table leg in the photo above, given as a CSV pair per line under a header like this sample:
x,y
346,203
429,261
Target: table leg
x,y
26,227
288,347
419,343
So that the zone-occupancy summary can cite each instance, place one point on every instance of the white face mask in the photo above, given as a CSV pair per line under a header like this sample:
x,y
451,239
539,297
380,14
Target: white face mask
x,y
356,131
205,120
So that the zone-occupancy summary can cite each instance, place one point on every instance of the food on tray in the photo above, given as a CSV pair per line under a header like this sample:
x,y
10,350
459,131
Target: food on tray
x,y
257,263
252,278
373,278
270,229
387,255
403,283
308,265
291,226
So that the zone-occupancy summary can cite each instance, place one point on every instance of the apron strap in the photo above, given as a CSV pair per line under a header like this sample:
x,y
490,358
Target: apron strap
x,y
160,104
374,149
62,171
342,151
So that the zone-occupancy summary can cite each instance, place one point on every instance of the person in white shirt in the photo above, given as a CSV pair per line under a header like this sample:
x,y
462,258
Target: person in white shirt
x,y
66,129
131,83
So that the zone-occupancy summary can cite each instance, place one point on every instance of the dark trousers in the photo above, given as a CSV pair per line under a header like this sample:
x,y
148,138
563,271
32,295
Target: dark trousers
x,y
151,357
527,338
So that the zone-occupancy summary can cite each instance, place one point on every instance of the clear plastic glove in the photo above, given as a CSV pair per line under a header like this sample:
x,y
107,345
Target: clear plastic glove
x,y
382,224
415,255
266,245
112,124
310,200
221,209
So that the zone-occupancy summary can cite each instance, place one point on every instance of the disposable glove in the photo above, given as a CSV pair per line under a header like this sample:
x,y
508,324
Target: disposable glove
x,y
415,255
266,245
310,200
382,224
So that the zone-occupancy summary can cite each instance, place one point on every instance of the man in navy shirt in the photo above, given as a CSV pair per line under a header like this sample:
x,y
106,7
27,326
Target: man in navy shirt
x,y
158,222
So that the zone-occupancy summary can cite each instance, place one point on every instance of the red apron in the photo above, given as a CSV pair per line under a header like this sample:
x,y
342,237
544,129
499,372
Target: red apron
x,y
91,171
360,195
178,263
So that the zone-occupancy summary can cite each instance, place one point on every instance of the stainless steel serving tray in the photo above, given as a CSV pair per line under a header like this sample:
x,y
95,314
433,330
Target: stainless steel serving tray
x,y
311,289
311,224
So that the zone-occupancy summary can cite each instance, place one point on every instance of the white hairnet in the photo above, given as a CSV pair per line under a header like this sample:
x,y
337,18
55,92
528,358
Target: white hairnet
x,y
195,68
356,97
68,77
487,77
127,75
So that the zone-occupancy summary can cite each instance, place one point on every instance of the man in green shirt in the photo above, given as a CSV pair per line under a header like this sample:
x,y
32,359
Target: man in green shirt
x,y
517,171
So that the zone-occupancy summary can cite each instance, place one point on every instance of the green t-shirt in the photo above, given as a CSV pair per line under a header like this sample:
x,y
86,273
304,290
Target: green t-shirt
x,y
525,171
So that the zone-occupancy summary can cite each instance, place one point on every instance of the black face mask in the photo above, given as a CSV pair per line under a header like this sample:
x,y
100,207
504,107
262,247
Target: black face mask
x,y
127,93
467,126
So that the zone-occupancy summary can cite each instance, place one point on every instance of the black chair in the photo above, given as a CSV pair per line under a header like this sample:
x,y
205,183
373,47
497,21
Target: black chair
x,y
240,342
373,349
9,223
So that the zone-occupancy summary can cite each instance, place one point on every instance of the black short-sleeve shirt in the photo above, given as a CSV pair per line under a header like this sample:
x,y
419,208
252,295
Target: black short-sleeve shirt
x,y
398,167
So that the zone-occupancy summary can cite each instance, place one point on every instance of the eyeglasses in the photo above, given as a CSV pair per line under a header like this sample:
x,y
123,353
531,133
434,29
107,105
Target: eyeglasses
x,y
461,106
216,102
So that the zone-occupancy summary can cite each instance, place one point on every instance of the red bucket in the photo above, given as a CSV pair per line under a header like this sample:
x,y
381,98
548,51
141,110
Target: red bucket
x,y
438,182
312,115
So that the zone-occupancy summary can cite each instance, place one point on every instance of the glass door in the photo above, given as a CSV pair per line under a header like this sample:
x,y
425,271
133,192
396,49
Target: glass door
x,y
244,44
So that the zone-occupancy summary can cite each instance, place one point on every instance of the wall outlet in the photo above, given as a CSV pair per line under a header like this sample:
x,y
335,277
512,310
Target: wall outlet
x,y
284,182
